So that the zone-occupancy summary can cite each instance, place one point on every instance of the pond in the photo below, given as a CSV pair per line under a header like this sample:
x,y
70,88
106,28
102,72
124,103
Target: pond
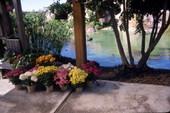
x,y
103,49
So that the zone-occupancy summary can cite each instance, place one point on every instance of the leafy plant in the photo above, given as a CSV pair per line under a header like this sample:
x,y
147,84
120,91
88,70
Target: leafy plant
x,y
60,9
57,33
23,59
47,79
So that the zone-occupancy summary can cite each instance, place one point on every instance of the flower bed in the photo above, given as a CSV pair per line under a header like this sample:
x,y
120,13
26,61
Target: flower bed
x,y
47,74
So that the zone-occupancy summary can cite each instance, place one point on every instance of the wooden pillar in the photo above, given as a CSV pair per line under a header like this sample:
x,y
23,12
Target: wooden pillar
x,y
5,29
79,32
20,24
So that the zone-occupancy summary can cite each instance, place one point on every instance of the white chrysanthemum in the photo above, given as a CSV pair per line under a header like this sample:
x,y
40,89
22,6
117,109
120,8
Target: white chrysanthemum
x,y
22,77
68,66
34,72
34,78
28,73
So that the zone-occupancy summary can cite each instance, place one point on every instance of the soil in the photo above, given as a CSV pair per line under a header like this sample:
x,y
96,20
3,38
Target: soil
x,y
145,76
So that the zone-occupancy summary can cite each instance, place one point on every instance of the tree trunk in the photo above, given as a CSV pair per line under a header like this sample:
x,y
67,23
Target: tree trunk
x,y
126,25
143,36
119,44
143,60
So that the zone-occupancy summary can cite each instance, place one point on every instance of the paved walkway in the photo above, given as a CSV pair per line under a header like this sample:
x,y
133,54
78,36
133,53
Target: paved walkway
x,y
108,97
20,101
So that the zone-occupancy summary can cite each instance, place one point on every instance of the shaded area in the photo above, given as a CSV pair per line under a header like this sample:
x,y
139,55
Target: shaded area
x,y
117,97
145,76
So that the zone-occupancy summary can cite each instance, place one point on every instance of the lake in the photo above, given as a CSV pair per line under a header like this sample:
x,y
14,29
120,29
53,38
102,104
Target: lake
x,y
103,49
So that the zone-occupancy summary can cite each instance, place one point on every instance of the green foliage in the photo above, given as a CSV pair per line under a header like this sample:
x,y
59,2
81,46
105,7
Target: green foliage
x,y
58,33
59,9
47,79
9,55
24,59
13,24
29,82
104,5
44,36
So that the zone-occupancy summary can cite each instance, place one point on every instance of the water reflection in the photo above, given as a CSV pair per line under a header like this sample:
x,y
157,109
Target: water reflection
x,y
103,49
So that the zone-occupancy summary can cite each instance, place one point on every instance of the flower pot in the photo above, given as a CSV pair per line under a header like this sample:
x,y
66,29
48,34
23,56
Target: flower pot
x,y
79,89
89,83
49,88
31,89
18,86
64,88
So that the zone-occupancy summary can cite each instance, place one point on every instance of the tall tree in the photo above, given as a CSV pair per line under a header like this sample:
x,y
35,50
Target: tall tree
x,y
159,11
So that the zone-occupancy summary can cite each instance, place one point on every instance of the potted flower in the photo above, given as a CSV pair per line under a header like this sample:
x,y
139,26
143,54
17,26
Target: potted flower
x,y
9,56
46,76
23,60
61,11
29,79
93,70
45,60
77,78
14,77
68,66
61,78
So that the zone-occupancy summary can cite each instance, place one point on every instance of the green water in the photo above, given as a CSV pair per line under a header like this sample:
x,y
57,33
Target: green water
x,y
103,49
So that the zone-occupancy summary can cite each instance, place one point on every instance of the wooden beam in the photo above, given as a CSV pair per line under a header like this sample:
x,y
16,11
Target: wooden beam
x,y
79,32
5,29
20,24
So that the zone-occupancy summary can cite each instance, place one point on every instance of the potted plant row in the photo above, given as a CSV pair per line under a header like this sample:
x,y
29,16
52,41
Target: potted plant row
x,y
47,74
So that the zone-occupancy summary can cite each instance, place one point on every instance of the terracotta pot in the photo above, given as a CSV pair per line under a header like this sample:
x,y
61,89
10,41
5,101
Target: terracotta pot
x,y
64,88
31,89
88,83
79,89
18,86
49,88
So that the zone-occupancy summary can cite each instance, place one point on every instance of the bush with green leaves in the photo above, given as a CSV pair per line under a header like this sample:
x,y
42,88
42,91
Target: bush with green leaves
x,y
44,36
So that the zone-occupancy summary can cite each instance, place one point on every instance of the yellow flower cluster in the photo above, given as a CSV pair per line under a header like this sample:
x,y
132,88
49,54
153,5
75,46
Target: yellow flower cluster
x,y
44,59
45,69
77,76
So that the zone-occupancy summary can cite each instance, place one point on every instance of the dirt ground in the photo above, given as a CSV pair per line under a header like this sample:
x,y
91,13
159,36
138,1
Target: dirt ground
x,y
146,76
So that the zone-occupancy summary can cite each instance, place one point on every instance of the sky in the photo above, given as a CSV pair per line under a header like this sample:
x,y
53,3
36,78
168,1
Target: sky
x,y
30,5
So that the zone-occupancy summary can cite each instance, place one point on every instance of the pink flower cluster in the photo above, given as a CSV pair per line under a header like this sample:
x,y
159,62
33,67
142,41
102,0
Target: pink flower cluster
x,y
61,77
33,69
15,73
91,68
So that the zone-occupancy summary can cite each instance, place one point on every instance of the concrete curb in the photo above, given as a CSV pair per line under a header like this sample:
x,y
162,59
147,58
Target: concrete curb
x,y
62,100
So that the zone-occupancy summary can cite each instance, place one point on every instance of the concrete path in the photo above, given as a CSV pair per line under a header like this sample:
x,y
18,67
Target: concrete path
x,y
117,97
108,97
20,101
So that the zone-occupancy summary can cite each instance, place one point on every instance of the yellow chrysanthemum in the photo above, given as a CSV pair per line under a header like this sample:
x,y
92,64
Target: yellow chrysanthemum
x,y
45,69
45,59
77,76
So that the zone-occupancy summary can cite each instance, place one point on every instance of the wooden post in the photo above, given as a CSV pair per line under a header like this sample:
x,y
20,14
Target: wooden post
x,y
5,29
79,32
20,24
